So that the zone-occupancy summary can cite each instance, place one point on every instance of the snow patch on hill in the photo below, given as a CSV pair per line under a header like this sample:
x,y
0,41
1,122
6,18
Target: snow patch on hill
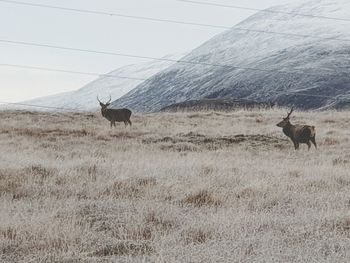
x,y
84,99
290,65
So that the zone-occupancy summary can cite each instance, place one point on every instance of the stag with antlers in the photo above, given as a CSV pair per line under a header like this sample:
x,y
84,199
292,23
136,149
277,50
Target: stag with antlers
x,y
115,115
298,133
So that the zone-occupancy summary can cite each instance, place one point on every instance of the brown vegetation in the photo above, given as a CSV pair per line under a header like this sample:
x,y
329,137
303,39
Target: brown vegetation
x,y
215,186
202,198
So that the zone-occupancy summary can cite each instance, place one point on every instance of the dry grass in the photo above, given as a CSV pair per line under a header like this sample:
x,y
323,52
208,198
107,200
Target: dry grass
x,y
187,187
202,198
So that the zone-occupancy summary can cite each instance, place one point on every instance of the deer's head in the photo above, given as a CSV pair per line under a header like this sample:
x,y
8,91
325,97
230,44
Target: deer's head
x,y
104,106
285,120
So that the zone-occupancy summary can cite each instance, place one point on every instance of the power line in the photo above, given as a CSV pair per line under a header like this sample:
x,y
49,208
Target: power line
x,y
172,21
69,71
39,106
6,41
112,53
294,93
138,56
75,109
113,14
262,10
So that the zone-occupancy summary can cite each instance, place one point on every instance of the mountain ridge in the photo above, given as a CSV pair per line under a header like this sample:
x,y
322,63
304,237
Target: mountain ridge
x,y
314,66
85,98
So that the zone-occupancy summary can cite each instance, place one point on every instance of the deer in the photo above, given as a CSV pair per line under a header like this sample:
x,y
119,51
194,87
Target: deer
x,y
115,115
298,133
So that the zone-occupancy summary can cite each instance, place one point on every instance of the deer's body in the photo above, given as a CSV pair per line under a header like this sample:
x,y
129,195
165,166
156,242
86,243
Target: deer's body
x,y
115,115
298,133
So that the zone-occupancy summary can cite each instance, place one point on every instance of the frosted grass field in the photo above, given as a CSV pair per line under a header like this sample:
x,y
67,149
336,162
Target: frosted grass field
x,y
184,187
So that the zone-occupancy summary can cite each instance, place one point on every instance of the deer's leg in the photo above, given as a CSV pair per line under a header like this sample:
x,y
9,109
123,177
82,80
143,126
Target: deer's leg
x,y
111,124
313,140
308,145
129,122
296,145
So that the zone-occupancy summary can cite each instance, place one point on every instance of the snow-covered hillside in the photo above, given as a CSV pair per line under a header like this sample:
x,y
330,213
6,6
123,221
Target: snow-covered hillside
x,y
85,98
293,64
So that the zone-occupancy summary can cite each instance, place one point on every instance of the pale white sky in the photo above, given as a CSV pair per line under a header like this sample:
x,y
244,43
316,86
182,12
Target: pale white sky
x,y
104,33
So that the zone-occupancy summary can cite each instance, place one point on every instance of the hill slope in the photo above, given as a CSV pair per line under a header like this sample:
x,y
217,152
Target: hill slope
x,y
85,98
223,104
314,66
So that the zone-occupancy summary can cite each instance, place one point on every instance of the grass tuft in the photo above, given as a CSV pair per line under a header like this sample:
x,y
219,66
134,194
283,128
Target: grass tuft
x,y
202,198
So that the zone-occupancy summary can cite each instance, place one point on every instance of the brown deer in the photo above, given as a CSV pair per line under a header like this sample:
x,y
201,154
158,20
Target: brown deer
x,y
115,115
298,133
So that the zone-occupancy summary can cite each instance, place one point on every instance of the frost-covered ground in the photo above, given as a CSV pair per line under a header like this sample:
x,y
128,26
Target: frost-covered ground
x,y
189,187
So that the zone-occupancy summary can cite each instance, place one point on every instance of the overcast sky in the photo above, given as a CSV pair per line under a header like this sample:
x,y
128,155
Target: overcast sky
x,y
103,33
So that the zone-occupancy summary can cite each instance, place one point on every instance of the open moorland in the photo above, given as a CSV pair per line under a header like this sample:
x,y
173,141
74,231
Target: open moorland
x,y
176,187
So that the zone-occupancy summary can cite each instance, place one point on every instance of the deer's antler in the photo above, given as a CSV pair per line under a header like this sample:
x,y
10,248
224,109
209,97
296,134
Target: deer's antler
x,y
110,99
291,111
